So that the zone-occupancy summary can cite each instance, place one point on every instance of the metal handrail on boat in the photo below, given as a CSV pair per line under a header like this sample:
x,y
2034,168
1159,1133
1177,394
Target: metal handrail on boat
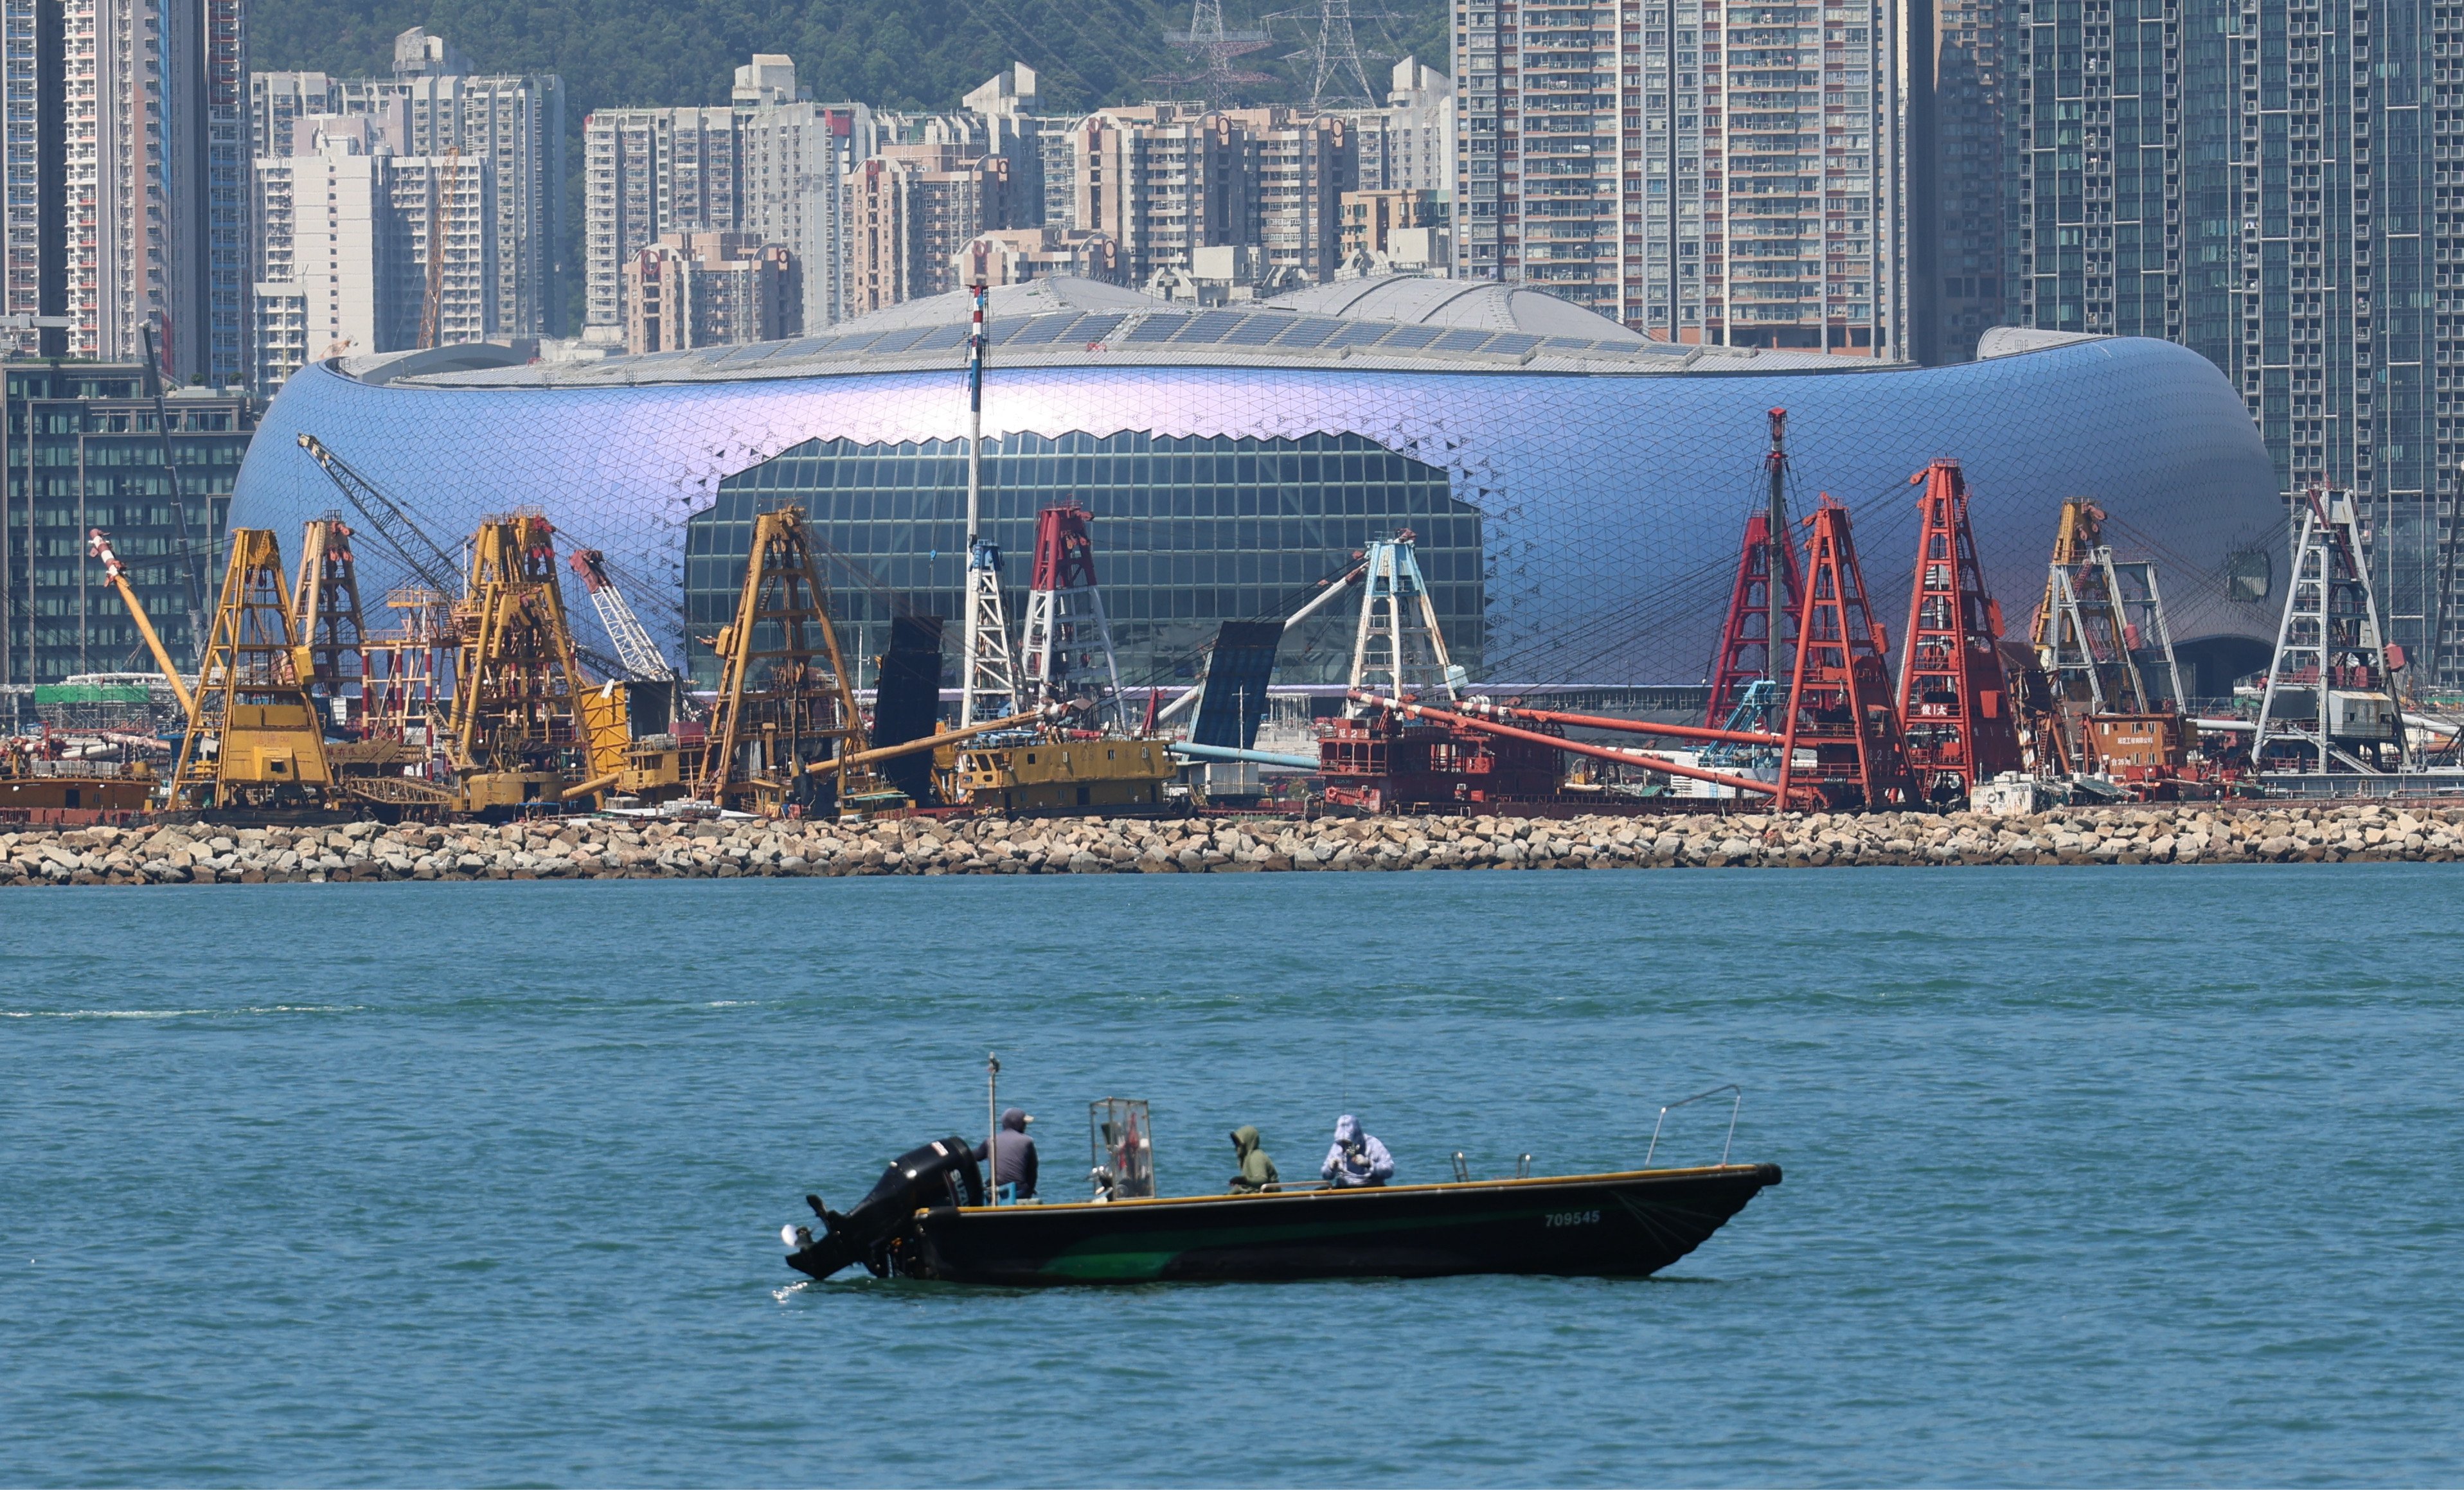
x,y
1684,1101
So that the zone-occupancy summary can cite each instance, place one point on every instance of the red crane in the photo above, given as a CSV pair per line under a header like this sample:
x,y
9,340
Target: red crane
x,y
1750,643
1838,701
1955,700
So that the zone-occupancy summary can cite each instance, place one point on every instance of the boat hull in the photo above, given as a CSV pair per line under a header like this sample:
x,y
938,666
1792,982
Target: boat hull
x,y
1626,1225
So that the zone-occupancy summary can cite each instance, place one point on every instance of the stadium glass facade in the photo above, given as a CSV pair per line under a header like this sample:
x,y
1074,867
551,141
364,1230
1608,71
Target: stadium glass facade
x,y
1189,532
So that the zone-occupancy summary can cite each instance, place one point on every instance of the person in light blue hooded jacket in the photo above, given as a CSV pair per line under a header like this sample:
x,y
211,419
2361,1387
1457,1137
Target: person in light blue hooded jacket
x,y
1357,1158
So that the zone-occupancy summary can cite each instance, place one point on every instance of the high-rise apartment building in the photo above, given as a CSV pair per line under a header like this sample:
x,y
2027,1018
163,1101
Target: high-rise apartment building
x,y
514,122
880,268
2263,180
709,289
151,92
1006,103
1164,180
797,156
34,172
1161,183
1702,171
648,172
1407,145
1056,151
1299,166
1963,165
948,198
2106,169
343,225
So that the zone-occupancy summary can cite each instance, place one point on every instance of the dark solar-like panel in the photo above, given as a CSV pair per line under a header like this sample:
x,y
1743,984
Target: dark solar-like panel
x,y
1511,343
1460,341
1087,330
1210,326
812,346
1258,330
1414,335
1358,333
938,339
1154,328
1568,344
898,341
1040,330
1309,331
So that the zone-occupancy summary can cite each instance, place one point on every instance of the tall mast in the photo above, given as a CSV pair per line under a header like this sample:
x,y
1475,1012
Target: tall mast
x,y
975,499
988,690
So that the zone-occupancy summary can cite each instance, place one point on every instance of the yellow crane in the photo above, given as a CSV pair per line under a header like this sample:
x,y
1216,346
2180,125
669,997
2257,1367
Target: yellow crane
x,y
254,737
116,573
785,701
527,724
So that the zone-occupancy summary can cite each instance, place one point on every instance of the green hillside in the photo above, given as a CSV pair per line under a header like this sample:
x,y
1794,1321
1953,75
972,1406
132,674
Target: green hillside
x,y
897,53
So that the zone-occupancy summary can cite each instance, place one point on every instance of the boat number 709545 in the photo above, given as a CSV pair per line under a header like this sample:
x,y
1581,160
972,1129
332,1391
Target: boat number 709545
x,y
1572,1218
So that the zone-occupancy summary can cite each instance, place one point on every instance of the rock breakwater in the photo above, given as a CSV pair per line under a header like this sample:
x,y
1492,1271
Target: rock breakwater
x,y
608,848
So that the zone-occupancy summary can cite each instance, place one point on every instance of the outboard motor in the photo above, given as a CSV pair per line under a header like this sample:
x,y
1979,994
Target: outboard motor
x,y
938,1173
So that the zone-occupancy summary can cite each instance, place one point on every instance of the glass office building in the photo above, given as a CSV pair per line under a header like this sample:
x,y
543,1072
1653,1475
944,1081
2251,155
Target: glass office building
x,y
82,451
1577,492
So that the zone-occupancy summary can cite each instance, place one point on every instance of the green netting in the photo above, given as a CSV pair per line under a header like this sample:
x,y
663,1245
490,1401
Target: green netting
x,y
90,693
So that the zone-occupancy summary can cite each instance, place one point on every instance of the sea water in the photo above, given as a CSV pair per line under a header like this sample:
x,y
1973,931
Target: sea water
x,y
2092,1176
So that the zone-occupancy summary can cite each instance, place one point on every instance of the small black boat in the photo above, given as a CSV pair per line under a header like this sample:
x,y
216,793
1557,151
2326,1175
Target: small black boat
x,y
926,1220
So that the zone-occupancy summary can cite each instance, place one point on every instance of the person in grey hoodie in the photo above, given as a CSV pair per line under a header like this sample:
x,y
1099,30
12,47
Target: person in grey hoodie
x,y
1010,1155
1356,1159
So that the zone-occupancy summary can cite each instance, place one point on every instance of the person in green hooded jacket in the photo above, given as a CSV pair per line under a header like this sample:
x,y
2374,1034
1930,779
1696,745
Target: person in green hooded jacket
x,y
1257,1166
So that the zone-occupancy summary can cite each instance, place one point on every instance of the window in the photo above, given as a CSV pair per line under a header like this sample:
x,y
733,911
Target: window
x,y
1189,533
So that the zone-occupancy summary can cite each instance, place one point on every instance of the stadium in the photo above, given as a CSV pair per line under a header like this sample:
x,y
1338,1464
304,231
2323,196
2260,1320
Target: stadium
x,y
1577,492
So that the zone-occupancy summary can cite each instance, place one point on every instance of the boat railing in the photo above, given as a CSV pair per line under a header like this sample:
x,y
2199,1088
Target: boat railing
x,y
1687,1101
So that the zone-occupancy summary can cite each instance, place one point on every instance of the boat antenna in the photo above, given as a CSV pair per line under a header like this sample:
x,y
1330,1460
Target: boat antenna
x,y
992,1127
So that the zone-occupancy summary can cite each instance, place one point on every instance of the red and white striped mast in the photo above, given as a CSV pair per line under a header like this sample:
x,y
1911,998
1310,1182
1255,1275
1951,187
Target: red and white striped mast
x,y
988,680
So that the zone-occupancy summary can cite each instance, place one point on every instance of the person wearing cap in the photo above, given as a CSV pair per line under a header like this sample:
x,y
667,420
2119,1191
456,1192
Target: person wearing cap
x,y
1010,1155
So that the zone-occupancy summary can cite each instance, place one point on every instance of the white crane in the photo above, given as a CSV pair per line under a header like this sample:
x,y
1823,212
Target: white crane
x,y
641,657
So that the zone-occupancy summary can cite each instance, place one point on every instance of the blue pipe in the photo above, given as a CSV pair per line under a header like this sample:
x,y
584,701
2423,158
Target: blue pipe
x,y
1229,755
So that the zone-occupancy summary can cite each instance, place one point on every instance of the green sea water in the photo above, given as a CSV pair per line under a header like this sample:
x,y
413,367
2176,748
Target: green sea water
x,y
2094,1175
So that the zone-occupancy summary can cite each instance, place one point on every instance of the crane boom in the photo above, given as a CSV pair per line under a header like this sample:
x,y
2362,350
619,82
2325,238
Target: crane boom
x,y
190,575
640,655
98,543
410,542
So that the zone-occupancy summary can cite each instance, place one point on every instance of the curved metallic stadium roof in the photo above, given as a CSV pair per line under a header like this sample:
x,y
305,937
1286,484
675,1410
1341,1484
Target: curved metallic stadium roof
x,y
1468,303
1397,324
1611,506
